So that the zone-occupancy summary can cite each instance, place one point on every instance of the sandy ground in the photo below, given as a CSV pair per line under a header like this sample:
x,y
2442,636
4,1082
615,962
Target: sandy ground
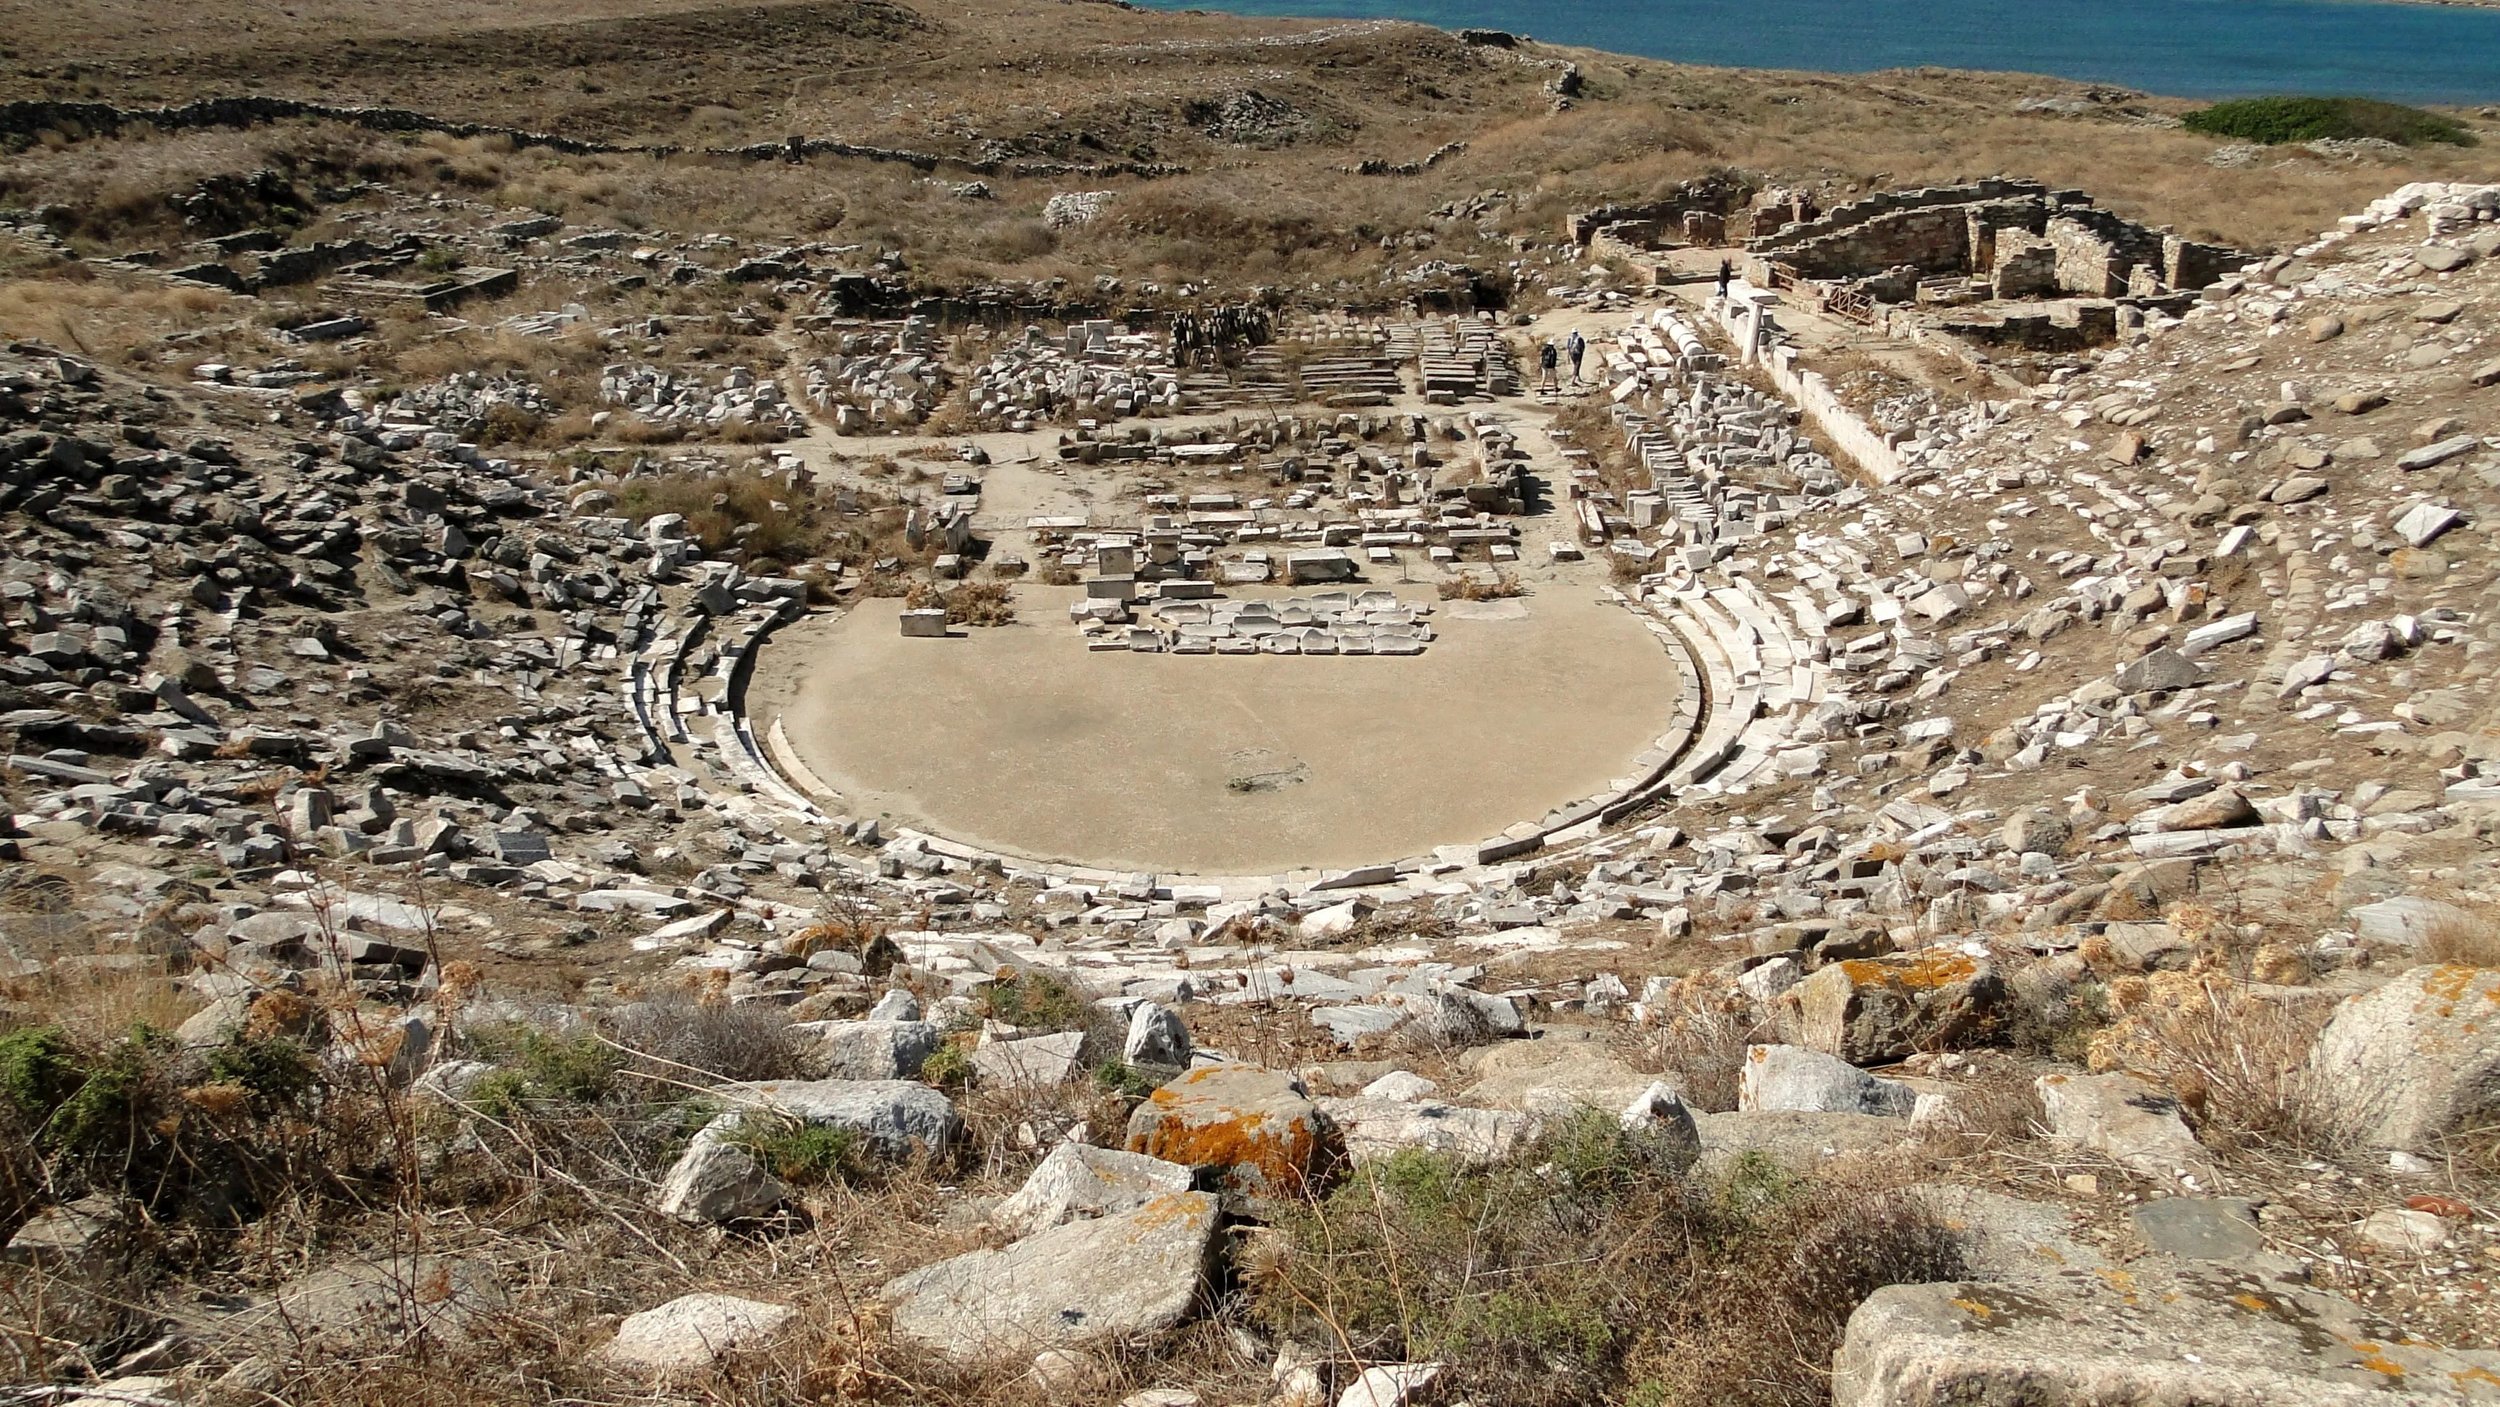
x,y
1020,740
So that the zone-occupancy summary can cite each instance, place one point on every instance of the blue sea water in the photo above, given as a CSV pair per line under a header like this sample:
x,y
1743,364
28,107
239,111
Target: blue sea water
x,y
2186,48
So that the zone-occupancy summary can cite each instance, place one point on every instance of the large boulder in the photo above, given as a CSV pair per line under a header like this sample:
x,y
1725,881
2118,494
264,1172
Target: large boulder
x,y
1550,1076
2001,1237
896,1117
2406,920
1870,1010
1372,1129
692,1332
2197,1335
87,1230
2222,809
2036,830
2127,1119
715,1182
1256,1129
1778,1078
1156,1036
1391,1385
2159,671
1665,1125
1138,1272
1028,1063
363,1305
2400,1066
865,1050
1078,1180
1449,1014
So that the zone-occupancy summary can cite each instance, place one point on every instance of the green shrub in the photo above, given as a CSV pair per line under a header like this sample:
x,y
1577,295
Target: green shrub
x,y
948,1067
39,1068
1754,1185
1124,1079
541,1069
805,1154
101,1119
1534,1275
579,1068
276,1072
502,1095
219,1134
1035,1001
2278,120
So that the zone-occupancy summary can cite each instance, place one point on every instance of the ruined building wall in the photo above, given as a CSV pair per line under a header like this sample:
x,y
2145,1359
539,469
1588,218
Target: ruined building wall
x,y
1933,239
2026,267
1841,218
2087,264
2097,250
1936,241
2187,265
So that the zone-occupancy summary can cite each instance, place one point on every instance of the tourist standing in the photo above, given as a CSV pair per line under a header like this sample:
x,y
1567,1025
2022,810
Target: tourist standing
x,y
1578,346
1546,360
1727,272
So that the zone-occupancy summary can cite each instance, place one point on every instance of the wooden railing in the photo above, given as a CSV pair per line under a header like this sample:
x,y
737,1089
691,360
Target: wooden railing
x,y
1850,303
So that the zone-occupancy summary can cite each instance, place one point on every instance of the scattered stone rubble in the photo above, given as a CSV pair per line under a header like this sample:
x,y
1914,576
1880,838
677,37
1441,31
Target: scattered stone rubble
x,y
1095,371
1331,623
879,379
668,400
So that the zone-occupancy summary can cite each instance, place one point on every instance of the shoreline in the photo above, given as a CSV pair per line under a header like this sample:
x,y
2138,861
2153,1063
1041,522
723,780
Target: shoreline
x,y
2312,48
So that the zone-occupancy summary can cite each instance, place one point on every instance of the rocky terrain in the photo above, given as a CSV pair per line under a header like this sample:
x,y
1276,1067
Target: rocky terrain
x,y
2046,955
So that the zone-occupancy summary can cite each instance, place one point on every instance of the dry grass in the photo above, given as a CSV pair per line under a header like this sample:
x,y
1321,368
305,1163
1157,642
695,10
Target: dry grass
x,y
1498,586
2467,942
2238,1062
428,356
975,603
675,1034
746,516
1588,1271
101,1002
1278,212
1702,1038
1413,922
117,317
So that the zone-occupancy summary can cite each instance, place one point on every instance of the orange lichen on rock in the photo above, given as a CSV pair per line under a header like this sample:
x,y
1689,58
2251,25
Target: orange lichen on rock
x,y
1923,973
1255,1125
2374,1358
1870,1009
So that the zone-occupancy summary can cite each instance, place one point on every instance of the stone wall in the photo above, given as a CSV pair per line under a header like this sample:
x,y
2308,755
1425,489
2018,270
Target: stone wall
x,y
2086,325
2087,265
1956,229
2187,265
1932,239
1846,433
2025,267
1858,212
80,120
1714,196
